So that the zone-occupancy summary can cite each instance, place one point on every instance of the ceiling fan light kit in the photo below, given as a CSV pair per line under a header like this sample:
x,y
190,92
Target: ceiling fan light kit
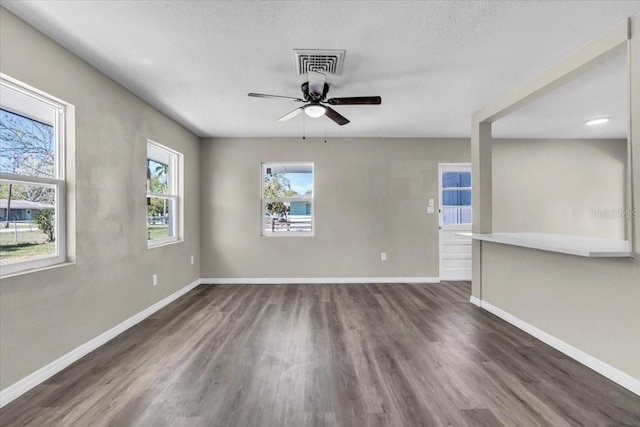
x,y
314,95
315,110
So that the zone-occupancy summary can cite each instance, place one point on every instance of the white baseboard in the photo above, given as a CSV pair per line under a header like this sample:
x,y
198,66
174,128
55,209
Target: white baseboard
x,y
617,376
20,387
314,280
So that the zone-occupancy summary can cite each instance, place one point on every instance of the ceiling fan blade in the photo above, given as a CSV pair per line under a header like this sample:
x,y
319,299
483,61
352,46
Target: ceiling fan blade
x,y
291,115
263,95
316,83
356,100
336,117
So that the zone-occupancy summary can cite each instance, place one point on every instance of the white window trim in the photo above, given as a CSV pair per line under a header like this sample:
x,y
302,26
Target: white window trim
x,y
58,183
311,200
173,194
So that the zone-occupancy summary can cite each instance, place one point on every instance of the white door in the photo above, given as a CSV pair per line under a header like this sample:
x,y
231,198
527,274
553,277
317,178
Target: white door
x,y
455,217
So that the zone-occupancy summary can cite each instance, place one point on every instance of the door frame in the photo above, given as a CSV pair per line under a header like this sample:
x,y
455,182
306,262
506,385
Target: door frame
x,y
452,167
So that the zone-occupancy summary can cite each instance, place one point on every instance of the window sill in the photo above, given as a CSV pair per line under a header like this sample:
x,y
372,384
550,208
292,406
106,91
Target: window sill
x,y
36,269
162,243
279,235
573,245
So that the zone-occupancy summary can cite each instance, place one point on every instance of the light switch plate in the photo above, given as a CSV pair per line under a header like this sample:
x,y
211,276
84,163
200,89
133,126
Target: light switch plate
x,y
431,210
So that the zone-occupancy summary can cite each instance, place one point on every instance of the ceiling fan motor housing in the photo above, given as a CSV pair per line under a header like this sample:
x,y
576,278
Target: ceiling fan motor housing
x,y
311,97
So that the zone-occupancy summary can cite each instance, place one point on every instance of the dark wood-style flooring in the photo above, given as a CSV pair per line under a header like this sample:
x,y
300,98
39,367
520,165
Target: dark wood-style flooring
x,y
325,355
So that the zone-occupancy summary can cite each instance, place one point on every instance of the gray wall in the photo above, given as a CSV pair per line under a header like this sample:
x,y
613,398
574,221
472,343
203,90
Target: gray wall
x,y
592,304
46,314
556,186
370,197
552,186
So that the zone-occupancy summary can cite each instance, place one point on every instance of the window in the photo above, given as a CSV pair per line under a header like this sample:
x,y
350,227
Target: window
x,y
32,179
456,197
287,199
162,194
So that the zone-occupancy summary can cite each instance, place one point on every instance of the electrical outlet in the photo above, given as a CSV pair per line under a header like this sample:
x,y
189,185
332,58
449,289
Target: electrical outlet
x,y
191,259
383,256
154,279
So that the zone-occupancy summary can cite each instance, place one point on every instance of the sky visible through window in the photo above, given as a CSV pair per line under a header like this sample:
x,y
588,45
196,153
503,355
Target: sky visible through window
x,y
300,182
27,146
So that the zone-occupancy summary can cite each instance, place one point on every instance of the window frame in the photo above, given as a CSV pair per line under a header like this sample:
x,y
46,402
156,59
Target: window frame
x,y
264,201
173,194
58,182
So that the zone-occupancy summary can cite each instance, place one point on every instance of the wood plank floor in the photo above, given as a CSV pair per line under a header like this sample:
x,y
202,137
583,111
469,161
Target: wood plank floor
x,y
325,355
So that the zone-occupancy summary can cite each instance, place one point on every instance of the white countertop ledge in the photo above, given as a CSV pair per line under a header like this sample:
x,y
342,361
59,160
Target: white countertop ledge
x,y
572,245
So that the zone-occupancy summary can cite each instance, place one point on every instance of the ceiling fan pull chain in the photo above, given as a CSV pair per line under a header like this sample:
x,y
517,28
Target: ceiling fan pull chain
x,y
324,127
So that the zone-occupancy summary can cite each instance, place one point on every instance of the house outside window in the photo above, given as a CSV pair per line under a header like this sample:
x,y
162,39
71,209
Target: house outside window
x,y
163,198
32,178
287,199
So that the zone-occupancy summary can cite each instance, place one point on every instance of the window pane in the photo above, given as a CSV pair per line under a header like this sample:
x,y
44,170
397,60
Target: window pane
x,y
287,193
27,222
456,216
287,217
157,177
456,179
27,146
279,183
456,198
159,218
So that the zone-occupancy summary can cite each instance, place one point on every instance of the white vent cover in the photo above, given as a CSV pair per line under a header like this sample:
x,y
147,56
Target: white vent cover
x,y
321,60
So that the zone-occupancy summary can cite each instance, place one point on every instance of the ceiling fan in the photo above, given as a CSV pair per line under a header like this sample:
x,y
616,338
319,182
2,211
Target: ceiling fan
x,y
316,105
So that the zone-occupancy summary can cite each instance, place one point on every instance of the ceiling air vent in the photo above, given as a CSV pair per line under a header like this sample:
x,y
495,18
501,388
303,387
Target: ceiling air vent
x,y
321,60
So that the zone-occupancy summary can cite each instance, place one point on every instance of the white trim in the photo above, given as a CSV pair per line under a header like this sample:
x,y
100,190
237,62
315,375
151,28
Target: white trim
x,y
263,201
36,105
26,180
174,161
314,280
20,387
588,55
617,376
60,253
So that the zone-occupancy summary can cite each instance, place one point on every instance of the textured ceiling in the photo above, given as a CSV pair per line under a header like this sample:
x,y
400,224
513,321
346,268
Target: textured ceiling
x,y
433,63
